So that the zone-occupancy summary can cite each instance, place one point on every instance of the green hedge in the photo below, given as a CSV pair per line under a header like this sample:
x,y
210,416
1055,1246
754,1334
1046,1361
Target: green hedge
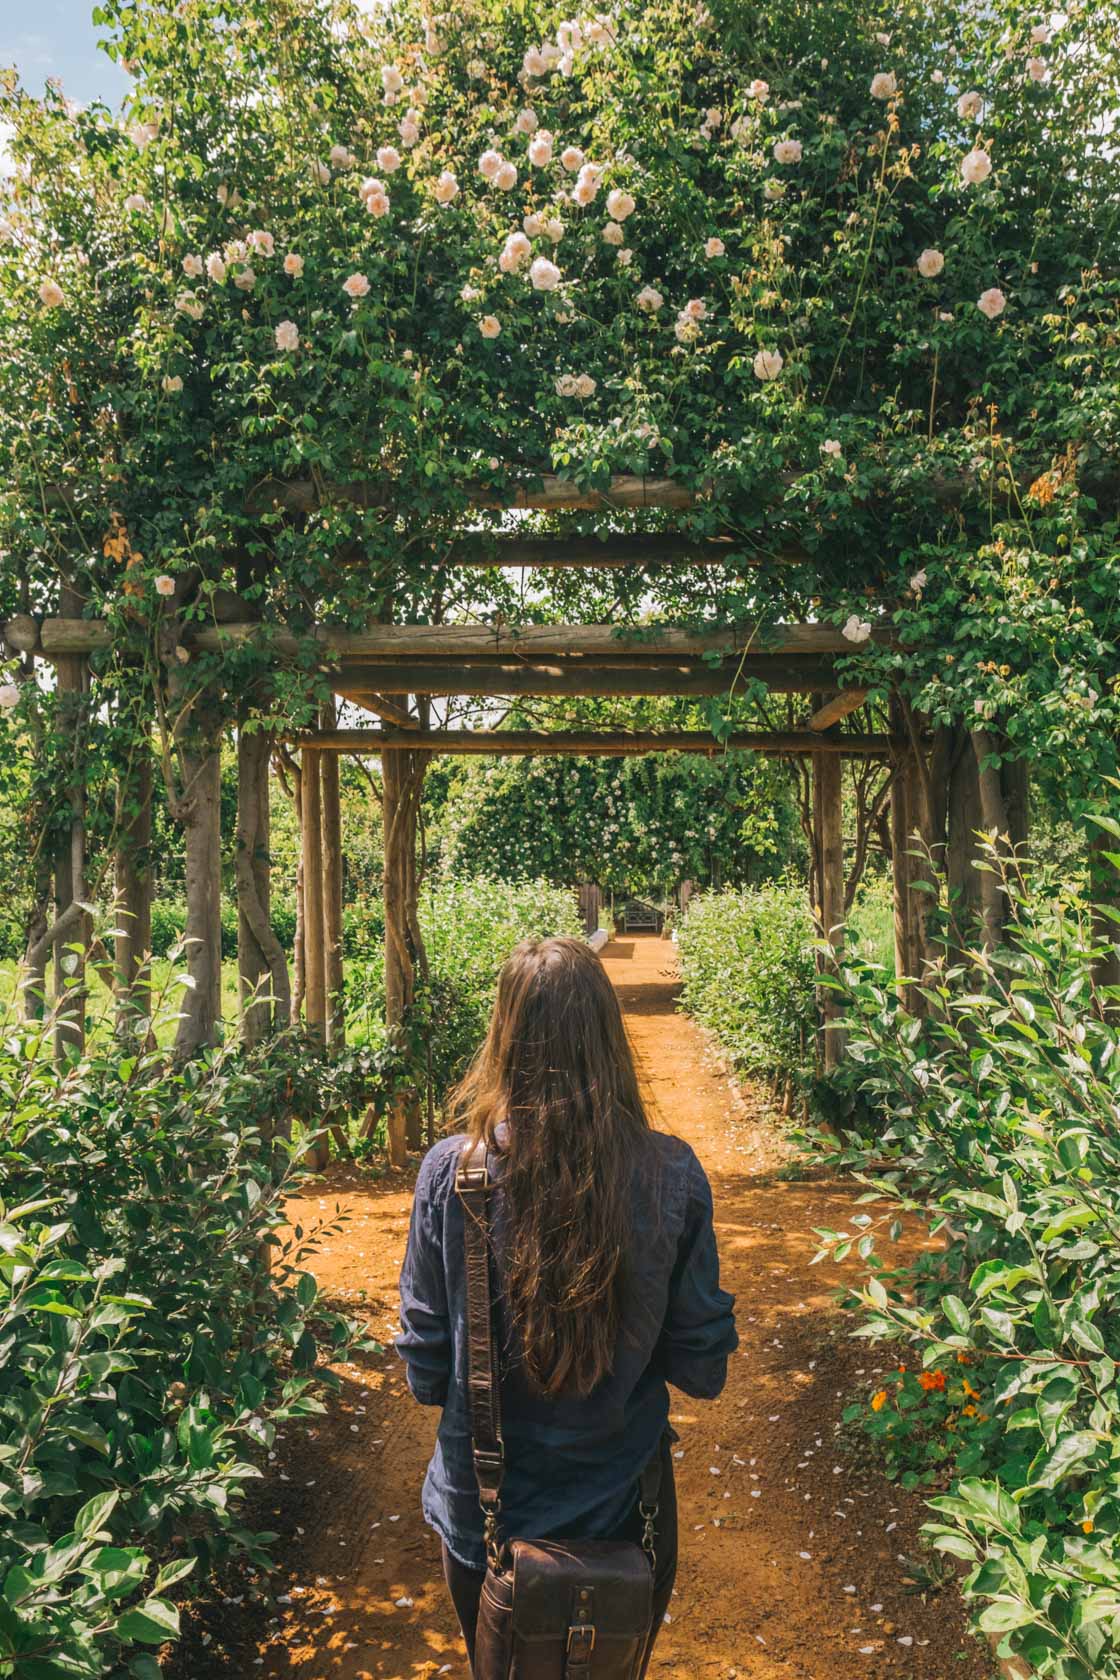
x,y
748,972
146,1353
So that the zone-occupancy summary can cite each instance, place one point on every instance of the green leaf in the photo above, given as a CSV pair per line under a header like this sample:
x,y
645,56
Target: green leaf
x,y
1071,1450
306,1289
1004,1614
149,1623
957,1314
95,1512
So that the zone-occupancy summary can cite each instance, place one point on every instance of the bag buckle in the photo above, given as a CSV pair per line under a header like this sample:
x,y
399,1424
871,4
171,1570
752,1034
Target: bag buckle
x,y
581,1631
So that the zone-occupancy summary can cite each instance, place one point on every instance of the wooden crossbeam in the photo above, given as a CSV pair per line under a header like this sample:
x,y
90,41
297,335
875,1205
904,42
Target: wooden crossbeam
x,y
365,683
302,496
459,641
841,705
632,548
595,743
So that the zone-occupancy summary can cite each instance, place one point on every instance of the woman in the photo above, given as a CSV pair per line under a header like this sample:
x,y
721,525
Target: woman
x,y
606,1273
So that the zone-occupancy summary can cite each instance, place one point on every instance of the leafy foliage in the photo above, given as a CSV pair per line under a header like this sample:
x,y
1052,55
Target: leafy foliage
x,y
147,1349
1001,1135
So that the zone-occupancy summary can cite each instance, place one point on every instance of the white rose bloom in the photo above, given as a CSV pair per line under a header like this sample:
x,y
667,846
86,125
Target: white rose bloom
x,y
489,164
584,192
572,159
506,178
341,158
489,326
938,76
215,267
470,294
714,247
884,85
991,303
545,275
320,173
620,204
409,130
136,201
970,105
476,69
391,79
446,187
527,121
686,329
613,234
245,279
696,309
759,90
566,385
930,264
774,190
918,582
236,251
533,224
50,294
1036,69
625,257
287,336
388,159
357,286
193,267
293,265
649,300
787,151
187,304
165,585
533,63
856,629
378,204
585,386
540,149
9,696
831,446
554,228
1040,34
976,166
263,243
514,253
768,365
172,384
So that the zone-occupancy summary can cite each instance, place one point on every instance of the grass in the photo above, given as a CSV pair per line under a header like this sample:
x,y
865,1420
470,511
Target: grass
x,y
100,1005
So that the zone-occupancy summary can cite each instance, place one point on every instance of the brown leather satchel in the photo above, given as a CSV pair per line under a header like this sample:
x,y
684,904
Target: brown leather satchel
x,y
550,1609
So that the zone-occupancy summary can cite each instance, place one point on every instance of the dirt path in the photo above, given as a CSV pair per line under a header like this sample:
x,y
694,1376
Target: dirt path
x,y
792,1554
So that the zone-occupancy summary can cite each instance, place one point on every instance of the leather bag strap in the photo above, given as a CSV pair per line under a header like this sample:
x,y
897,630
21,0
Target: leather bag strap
x,y
472,1182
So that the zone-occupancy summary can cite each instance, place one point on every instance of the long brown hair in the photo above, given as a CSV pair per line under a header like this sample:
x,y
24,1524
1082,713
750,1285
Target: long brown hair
x,y
556,1067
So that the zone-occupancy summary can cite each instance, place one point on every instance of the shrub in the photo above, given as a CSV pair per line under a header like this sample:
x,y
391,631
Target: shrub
x,y
469,927
169,920
147,1352
1002,1135
748,971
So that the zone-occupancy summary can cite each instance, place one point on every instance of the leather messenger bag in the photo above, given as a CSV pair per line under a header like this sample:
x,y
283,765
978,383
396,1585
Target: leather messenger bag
x,y
550,1609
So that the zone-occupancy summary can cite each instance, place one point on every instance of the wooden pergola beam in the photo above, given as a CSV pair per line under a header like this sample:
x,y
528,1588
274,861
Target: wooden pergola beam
x,y
631,548
841,705
368,685
302,496
596,743
64,636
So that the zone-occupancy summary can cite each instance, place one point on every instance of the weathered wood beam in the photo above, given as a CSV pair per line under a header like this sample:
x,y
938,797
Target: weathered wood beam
x,y
600,743
369,685
840,706
545,491
631,548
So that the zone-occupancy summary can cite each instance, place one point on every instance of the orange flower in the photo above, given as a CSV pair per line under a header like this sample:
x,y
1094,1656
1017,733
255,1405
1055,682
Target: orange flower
x,y
968,1411
1086,1527
931,1380
963,1359
879,1400
970,1391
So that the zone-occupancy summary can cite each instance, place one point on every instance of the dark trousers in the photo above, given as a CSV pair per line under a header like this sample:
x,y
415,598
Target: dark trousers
x,y
465,1585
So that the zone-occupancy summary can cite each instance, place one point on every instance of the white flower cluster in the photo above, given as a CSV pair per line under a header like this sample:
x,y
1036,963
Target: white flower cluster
x,y
575,385
687,325
573,39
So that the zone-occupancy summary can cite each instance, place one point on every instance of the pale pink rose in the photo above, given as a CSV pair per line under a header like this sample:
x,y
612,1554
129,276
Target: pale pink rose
x,y
187,303
171,384
245,279
884,85
357,286
215,267
9,696
489,164
516,251
165,585
566,385
470,294
540,149
918,582
527,121
649,300
620,204
236,251
293,265
50,294
976,166
856,629
831,446
489,326
1040,34
554,229
768,364
585,385
545,275
388,159
714,247
320,173
391,79
533,224
572,159
446,187
506,178
287,336
713,117
774,190
341,157
930,264
1036,69
759,90
625,257
970,105
135,202
193,267
377,203
476,69
696,309
686,329
583,193
533,63
787,151
409,130
937,76
613,234
262,242
591,172
991,303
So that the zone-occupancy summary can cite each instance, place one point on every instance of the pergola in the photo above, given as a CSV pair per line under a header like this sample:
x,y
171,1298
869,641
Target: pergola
x,y
392,671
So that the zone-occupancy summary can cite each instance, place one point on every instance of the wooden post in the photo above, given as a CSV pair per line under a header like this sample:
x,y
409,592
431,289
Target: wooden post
x,y
829,830
70,859
963,819
399,973
201,759
331,825
315,994
133,912
263,983
910,822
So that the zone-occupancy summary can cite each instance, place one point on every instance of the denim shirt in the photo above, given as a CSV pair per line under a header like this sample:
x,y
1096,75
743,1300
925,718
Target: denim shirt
x,y
572,1465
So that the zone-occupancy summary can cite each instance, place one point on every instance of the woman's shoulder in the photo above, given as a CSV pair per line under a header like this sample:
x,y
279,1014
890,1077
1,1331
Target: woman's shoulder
x,y
437,1169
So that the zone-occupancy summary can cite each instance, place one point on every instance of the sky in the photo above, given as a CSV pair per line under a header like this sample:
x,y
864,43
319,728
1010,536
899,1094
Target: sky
x,y
57,38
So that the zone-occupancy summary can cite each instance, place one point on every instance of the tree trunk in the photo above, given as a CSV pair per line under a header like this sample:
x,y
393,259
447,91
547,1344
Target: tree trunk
x,y
299,968
262,966
201,761
315,995
331,815
963,819
133,911
70,861
402,780
828,824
